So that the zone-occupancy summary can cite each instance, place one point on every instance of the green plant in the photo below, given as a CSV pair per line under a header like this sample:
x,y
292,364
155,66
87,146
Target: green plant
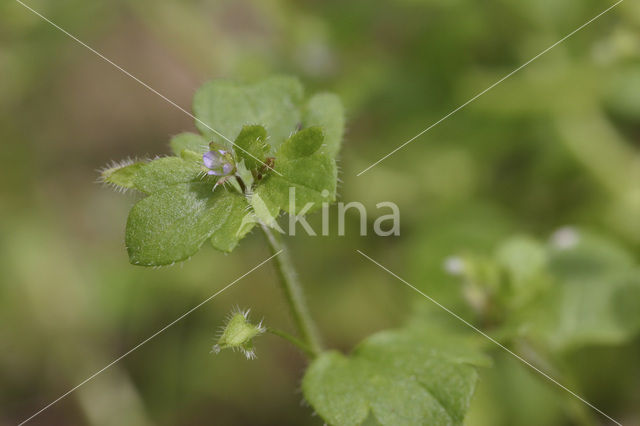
x,y
423,373
577,290
217,190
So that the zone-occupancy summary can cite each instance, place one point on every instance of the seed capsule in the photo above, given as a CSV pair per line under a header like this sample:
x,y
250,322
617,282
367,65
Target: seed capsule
x,y
238,334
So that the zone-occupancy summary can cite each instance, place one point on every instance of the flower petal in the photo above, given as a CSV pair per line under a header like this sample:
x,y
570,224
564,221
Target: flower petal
x,y
211,159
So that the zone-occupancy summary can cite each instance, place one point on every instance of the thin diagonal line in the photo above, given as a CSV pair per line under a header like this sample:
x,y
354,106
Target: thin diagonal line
x,y
491,87
144,84
493,341
150,337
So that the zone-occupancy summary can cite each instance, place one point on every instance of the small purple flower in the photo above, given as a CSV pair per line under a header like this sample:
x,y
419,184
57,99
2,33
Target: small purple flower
x,y
219,162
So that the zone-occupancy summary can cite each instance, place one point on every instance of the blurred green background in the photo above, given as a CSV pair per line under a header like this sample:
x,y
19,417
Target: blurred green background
x,y
557,144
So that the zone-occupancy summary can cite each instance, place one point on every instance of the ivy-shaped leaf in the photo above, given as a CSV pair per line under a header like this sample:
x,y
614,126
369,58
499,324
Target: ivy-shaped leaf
x,y
404,377
326,111
227,106
304,166
233,227
251,146
165,172
170,225
190,141
121,176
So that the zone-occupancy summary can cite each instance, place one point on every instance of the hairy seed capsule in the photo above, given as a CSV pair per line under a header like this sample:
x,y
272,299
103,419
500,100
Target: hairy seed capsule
x,y
238,334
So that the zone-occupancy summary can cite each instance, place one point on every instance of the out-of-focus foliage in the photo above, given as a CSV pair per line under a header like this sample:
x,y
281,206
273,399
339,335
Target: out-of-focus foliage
x,y
594,298
576,291
555,144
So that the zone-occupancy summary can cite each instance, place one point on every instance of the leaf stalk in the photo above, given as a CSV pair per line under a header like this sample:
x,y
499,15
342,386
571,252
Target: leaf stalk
x,y
294,295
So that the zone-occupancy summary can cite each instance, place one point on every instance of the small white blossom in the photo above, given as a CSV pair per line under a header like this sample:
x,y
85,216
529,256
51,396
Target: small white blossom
x,y
565,238
454,265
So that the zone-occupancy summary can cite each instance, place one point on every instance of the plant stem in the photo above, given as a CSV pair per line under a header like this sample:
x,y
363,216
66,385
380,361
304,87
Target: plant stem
x,y
294,340
293,293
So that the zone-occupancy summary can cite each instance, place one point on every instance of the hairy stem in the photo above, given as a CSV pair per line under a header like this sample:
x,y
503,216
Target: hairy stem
x,y
293,293
293,340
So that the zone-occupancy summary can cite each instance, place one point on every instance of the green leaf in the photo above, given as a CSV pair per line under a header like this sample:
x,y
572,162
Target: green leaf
x,y
404,377
524,261
305,167
265,211
523,258
170,225
594,298
192,157
602,310
590,256
167,171
190,141
228,106
122,176
326,110
251,146
302,144
235,226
